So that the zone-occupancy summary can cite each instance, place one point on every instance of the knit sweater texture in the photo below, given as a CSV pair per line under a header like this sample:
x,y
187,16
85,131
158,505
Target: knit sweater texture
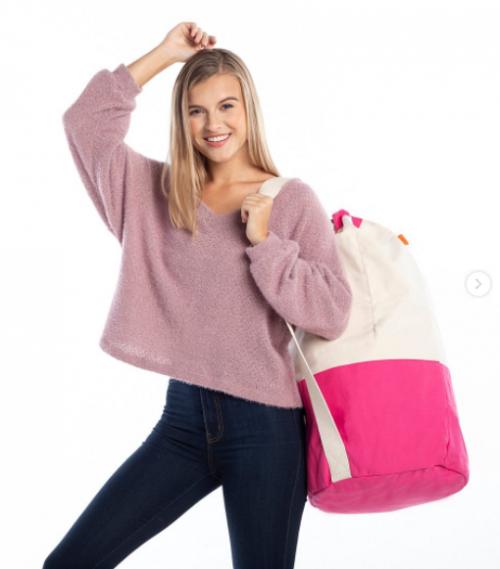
x,y
211,311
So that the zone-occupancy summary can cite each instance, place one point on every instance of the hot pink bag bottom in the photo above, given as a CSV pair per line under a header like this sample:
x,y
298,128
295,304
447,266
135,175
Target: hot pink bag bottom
x,y
398,421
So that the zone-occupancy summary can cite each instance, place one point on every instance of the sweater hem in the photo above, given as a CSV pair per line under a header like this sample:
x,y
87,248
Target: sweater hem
x,y
187,377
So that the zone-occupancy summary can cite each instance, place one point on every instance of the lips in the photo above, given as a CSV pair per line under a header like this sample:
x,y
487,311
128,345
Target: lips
x,y
216,135
218,143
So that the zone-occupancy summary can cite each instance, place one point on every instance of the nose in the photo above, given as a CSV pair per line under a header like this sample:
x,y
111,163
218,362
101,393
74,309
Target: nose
x,y
214,123
215,128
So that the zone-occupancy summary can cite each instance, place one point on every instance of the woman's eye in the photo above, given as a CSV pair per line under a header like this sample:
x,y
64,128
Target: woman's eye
x,y
195,111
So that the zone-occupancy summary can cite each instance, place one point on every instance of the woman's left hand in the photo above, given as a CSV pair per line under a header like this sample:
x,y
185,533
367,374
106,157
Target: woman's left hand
x,y
255,212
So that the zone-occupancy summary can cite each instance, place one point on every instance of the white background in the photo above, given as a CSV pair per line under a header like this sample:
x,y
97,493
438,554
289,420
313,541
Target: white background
x,y
387,109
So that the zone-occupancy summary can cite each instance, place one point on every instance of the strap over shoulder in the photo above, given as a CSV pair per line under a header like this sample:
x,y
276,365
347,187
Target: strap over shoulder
x,y
272,186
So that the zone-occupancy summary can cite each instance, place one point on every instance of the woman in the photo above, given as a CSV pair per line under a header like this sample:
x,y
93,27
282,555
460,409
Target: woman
x,y
210,271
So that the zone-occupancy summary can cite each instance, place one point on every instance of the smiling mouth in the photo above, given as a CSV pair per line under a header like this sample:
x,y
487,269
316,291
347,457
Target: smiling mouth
x,y
227,134
217,143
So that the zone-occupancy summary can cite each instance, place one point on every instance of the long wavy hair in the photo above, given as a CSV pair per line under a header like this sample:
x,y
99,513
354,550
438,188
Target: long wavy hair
x,y
184,176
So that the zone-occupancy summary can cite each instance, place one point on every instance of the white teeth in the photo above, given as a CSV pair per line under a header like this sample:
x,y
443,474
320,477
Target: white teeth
x,y
218,138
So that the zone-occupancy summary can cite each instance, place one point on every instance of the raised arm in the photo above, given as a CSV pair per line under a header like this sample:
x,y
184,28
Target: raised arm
x,y
96,125
97,122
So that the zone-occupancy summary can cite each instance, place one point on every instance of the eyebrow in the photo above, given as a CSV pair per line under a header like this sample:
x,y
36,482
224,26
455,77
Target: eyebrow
x,y
225,99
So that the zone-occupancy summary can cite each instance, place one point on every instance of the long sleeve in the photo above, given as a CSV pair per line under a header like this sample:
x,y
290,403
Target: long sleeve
x,y
302,278
95,126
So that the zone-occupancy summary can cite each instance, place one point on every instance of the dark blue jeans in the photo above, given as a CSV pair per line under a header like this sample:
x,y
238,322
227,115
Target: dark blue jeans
x,y
204,439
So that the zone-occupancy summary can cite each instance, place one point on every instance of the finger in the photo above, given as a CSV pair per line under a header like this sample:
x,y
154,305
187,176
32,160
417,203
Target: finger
x,y
199,35
204,39
257,199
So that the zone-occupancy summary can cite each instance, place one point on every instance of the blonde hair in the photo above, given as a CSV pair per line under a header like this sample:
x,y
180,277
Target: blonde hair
x,y
183,178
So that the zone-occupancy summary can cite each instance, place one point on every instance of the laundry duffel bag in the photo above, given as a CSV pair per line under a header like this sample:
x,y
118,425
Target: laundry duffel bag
x,y
382,427
382,424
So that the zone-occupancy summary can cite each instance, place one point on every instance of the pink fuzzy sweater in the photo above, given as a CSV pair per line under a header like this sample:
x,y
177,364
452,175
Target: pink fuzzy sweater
x,y
208,312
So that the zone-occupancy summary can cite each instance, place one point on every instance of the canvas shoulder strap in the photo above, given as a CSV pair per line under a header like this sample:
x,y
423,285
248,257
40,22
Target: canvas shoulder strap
x,y
272,186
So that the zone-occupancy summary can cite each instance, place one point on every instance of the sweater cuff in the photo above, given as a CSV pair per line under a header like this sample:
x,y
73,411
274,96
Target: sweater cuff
x,y
267,248
126,81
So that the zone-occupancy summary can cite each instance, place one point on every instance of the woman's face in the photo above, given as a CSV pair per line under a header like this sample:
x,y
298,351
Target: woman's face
x,y
216,108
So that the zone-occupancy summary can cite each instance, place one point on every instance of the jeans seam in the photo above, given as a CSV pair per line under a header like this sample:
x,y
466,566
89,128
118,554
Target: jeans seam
x,y
291,505
220,422
211,464
96,566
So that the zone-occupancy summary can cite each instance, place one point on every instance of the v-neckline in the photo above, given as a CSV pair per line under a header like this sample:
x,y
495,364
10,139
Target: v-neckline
x,y
216,215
